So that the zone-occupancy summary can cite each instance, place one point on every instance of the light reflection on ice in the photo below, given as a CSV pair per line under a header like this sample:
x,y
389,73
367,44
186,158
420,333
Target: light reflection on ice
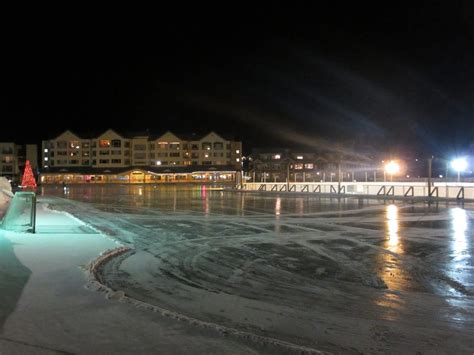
x,y
392,226
459,226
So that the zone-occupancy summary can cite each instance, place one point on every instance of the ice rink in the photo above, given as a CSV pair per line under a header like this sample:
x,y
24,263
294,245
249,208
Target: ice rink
x,y
346,275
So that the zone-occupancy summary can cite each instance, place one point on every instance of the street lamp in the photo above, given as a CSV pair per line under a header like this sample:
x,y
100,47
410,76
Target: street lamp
x,y
392,167
459,165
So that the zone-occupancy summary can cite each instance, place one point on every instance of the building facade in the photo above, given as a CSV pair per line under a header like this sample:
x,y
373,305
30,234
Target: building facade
x,y
278,165
13,157
112,157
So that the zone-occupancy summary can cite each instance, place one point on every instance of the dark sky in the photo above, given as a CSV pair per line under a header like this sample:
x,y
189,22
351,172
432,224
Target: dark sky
x,y
399,78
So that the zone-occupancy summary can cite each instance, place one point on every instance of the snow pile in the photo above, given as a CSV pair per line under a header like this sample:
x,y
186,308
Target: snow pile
x,y
5,193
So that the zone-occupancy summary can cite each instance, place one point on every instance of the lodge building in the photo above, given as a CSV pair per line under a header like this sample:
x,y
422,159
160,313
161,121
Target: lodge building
x,y
13,157
140,158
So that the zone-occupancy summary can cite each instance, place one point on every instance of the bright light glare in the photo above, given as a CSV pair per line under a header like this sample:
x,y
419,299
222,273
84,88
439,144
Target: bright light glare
x,y
459,164
392,167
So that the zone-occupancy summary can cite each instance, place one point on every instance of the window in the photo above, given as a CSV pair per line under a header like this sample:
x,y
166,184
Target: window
x,y
139,156
207,162
7,159
61,144
185,146
174,154
277,156
237,151
104,152
206,146
151,146
74,144
127,161
309,166
127,153
62,153
127,144
7,168
174,146
94,144
104,161
194,147
299,157
73,154
151,155
74,162
104,143
85,154
116,143
194,155
51,154
298,166
139,147
85,145
61,161
94,162
218,145
84,162
116,161
116,152
163,145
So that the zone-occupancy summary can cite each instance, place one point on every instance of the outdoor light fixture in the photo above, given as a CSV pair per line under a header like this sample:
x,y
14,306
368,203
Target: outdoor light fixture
x,y
392,167
459,165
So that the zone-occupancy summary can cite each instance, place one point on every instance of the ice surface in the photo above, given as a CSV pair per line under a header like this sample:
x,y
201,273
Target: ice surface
x,y
345,275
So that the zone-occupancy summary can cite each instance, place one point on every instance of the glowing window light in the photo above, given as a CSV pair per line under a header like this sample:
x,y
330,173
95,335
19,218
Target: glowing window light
x,y
299,157
277,156
158,162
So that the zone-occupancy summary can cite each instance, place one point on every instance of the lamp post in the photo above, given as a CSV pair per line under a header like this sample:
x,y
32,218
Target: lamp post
x,y
459,165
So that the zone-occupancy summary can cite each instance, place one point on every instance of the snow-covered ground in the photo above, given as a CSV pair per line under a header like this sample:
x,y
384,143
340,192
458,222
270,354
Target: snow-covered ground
x,y
45,308
336,275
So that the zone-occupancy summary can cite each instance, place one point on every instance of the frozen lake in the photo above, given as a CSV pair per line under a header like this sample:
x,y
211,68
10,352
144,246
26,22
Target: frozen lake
x,y
347,275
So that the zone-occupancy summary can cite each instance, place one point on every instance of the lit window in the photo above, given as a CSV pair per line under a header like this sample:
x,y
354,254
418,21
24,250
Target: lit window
x,y
45,158
104,143
309,166
206,155
158,162
45,150
298,166
299,157
237,151
276,156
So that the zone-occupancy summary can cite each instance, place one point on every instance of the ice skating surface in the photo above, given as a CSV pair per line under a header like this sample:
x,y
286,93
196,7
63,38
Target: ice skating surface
x,y
342,275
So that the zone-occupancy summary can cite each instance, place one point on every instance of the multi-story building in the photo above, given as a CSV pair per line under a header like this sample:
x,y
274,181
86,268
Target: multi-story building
x,y
278,165
13,157
112,157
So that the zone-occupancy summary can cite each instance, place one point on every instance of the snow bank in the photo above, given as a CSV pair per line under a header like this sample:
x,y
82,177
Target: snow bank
x,y
5,193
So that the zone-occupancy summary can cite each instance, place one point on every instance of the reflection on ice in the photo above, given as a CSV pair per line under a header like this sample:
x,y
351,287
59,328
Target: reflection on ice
x,y
392,226
459,226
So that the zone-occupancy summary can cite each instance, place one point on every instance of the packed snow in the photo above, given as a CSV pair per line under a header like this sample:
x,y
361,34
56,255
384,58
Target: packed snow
x,y
346,275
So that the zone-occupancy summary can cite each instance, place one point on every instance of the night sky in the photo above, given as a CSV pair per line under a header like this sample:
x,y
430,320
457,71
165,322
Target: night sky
x,y
395,79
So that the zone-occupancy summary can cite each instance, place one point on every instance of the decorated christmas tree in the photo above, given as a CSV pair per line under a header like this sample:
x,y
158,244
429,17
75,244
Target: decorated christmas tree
x,y
28,181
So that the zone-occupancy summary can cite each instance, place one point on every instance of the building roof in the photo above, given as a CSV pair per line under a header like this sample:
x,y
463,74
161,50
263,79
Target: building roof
x,y
151,135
